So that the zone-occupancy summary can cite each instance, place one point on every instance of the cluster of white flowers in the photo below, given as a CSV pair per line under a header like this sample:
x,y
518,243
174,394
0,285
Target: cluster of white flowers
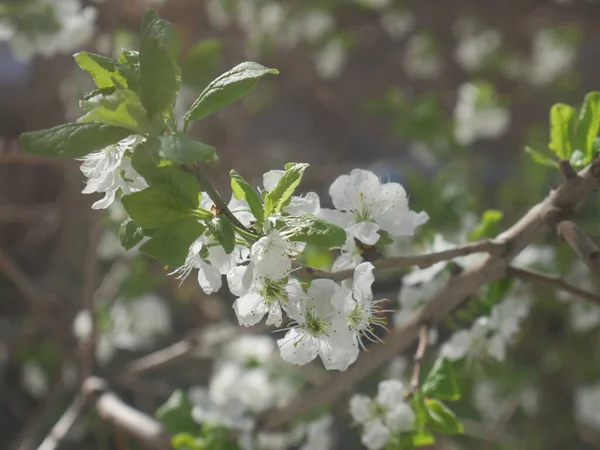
x,y
75,27
474,46
384,416
489,335
421,59
475,119
133,324
551,58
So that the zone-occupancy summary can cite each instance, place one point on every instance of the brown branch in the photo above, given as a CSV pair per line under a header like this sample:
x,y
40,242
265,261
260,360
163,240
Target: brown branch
x,y
566,170
111,408
418,359
90,268
484,246
552,281
559,202
60,430
21,281
582,244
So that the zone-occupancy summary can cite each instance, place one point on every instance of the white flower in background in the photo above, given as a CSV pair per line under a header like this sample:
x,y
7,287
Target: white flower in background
x,y
587,405
216,14
35,379
318,434
230,415
76,28
272,441
320,329
550,59
532,255
82,329
473,48
362,311
475,120
109,170
316,24
330,59
350,256
250,349
489,335
385,415
364,206
584,316
421,59
374,4
271,18
397,24
137,323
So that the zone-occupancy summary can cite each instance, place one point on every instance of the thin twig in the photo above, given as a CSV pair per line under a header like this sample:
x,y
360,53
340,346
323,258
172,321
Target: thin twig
x,y
484,246
88,287
61,429
582,244
553,281
215,197
457,290
111,408
27,287
418,359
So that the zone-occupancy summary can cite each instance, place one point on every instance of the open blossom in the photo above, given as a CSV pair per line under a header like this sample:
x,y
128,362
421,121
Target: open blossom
x,y
364,206
362,311
385,415
109,170
307,204
320,329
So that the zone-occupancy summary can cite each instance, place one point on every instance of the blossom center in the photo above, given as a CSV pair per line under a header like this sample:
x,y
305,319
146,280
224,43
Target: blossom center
x,y
274,290
314,324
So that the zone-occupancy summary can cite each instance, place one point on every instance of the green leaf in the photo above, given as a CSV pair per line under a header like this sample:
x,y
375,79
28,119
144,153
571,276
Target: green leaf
x,y
170,245
129,67
121,108
227,88
562,122
223,231
313,230
423,438
186,441
417,403
441,381
540,158
243,190
146,162
281,193
158,206
130,234
579,159
202,63
176,414
72,140
441,418
181,149
488,224
588,125
159,72
103,70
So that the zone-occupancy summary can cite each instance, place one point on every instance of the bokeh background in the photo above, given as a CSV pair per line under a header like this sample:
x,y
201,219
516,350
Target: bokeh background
x,y
441,96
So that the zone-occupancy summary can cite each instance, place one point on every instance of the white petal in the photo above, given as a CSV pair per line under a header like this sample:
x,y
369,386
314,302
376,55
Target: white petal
x,y
250,309
361,408
271,178
275,315
297,347
343,219
365,232
106,201
209,278
238,280
309,204
343,194
458,345
400,418
390,392
362,281
375,435
338,351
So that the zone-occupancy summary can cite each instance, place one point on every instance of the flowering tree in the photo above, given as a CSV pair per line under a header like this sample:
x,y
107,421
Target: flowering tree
x,y
136,150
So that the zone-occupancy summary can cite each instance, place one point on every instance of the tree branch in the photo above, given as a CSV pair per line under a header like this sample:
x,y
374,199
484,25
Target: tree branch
x,y
552,281
60,430
484,246
418,359
111,408
582,244
538,219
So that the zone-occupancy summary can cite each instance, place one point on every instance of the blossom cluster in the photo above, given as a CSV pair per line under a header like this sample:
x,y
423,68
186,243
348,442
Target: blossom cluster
x,y
325,319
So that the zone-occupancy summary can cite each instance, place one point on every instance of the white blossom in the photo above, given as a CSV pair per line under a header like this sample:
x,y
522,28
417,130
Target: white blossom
x,y
320,329
250,349
316,24
550,59
587,405
472,48
35,379
330,59
230,415
318,434
109,170
421,59
350,256
307,204
364,206
375,435
397,24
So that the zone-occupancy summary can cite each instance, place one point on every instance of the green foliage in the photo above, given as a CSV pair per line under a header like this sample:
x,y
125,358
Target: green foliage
x,y
202,63
72,140
562,124
104,71
441,418
227,88
313,230
223,231
279,196
588,125
176,414
243,190
540,158
170,245
130,234
120,108
159,72
181,149
488,226
441,381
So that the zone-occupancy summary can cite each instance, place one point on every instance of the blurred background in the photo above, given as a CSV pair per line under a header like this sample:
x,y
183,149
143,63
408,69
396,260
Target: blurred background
x,y
441,96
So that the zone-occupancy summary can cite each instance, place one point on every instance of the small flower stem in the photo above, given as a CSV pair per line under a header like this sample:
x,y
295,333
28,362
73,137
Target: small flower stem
x,y
219,203
186,124
418,359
